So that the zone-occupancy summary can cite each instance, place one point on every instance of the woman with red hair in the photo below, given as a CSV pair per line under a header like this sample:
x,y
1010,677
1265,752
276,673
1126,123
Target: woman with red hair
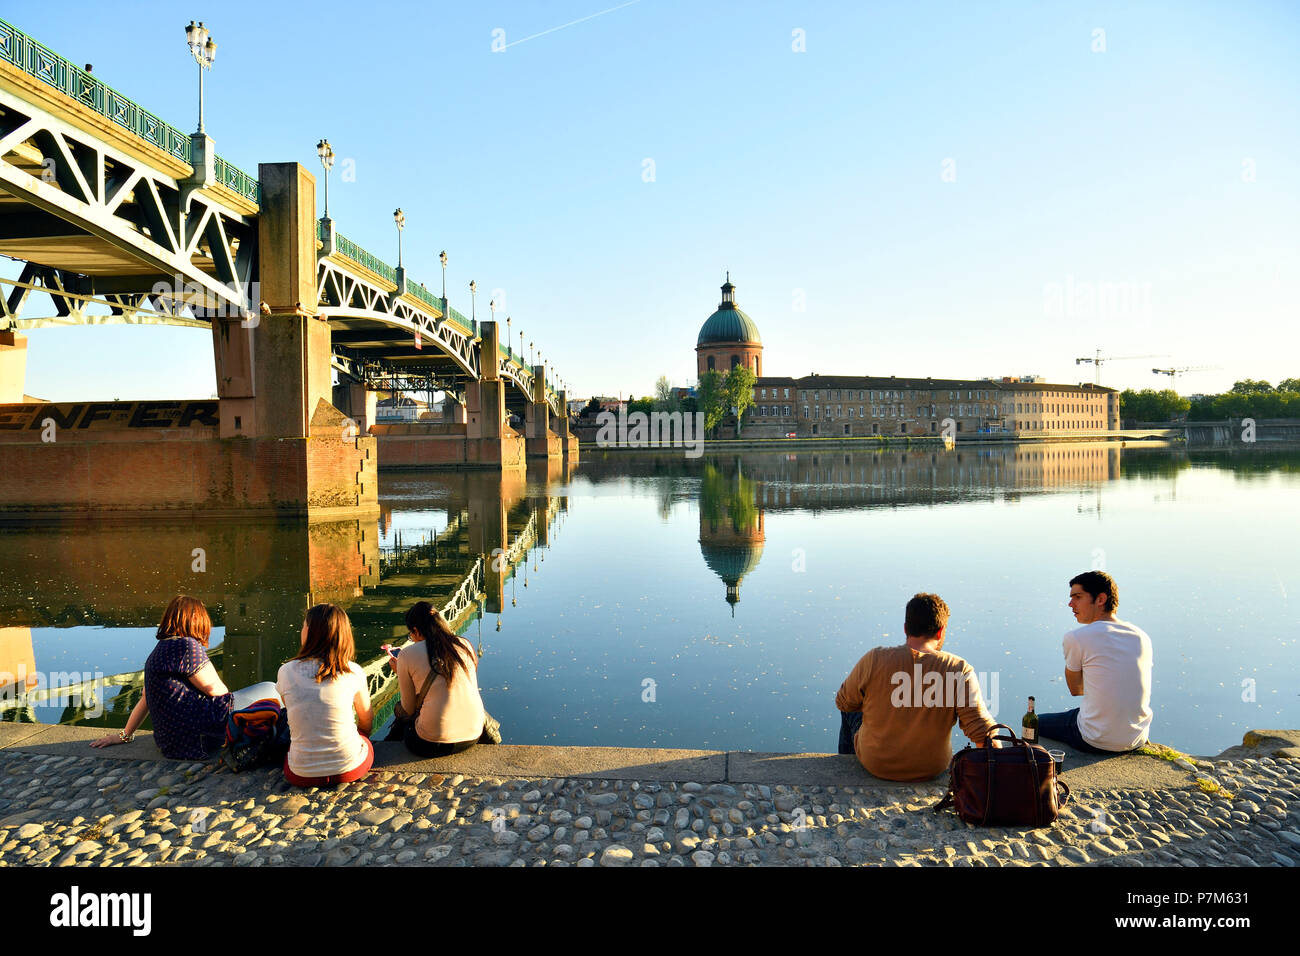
x,y
182,690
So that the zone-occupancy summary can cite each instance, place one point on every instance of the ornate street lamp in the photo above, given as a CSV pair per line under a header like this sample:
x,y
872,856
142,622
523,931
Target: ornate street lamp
x,y
399,217
326,154
442,257
204,50
473,290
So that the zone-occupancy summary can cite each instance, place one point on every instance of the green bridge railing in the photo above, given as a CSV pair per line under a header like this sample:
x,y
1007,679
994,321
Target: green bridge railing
x,y
424,295
346,247
39,61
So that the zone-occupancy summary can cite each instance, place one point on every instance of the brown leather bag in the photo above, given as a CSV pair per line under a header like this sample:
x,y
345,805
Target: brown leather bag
x,y
1012,785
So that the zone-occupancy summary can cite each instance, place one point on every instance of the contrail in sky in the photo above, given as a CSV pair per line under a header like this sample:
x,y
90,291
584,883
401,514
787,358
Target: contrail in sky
x,y
589,16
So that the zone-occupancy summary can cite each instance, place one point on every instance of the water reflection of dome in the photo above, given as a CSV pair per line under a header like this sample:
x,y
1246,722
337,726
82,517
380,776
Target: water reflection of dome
x,y
732,562
731,528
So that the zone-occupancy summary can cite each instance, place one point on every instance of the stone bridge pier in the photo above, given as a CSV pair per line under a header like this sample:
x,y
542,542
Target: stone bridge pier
x,y
272,443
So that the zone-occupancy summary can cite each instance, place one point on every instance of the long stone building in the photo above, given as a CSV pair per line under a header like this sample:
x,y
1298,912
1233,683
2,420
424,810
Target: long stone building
x,y
861,405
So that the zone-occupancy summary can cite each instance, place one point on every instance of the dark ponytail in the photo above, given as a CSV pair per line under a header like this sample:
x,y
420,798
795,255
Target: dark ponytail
x,y
440,641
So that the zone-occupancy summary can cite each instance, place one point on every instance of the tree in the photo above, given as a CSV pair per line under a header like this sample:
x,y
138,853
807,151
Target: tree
x,y
1289,385
1250,386
739,390
591,408
1149,405
709,398
664,400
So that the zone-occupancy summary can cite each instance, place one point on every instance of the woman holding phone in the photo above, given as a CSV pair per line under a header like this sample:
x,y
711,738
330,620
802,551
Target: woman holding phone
x,y
438,676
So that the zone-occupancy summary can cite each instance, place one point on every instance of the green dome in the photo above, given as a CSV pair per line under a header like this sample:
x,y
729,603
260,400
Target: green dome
x,y
731,562
728,325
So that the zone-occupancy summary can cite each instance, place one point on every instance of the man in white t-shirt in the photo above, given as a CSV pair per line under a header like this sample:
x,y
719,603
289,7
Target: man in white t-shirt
x,y
1108,664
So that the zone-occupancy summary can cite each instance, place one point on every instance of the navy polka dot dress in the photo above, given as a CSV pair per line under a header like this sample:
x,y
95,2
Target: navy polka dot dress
x,y
187,723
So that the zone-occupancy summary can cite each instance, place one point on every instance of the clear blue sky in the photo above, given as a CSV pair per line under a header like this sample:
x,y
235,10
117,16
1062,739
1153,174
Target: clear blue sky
x,y
821,171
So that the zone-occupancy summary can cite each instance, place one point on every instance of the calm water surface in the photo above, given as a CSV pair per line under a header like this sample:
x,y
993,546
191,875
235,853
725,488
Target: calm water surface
x,y
719,602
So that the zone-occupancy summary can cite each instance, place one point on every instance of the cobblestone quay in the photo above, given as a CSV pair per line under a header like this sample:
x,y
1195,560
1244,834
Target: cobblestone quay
x,y
63,804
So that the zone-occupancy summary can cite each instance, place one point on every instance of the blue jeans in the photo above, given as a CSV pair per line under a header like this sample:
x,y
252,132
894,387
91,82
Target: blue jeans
x,y
849,724
1064,726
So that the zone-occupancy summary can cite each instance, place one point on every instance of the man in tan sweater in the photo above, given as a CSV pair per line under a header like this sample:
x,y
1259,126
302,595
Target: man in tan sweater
x,y
899,704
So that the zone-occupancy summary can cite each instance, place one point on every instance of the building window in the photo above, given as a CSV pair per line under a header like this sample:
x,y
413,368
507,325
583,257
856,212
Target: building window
x,y
850,411
847,429
787,393
902,429
875,428
805,411
814,428
803,395
711,363
735,360
931,428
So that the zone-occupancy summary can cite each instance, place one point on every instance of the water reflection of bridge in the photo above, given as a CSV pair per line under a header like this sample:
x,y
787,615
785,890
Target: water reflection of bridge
x,y
258,579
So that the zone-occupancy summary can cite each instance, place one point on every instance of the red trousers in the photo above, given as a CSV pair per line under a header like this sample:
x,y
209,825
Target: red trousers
x,y
355,774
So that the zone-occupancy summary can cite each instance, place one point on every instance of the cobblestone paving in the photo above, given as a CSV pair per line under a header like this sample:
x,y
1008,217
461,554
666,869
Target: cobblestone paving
x,y
71,810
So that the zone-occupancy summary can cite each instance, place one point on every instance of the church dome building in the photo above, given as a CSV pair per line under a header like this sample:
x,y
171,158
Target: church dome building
x,y
728,338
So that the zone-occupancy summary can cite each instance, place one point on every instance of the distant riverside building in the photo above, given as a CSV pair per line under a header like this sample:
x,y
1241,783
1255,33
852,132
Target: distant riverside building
x,y
397,406
863,405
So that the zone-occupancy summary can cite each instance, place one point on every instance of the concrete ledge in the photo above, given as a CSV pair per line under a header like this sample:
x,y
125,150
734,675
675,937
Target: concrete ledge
x,y
1281,744
516,760
11,734
1083,771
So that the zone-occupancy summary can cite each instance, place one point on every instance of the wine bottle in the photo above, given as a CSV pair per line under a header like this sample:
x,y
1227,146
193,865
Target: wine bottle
x,y
1029,724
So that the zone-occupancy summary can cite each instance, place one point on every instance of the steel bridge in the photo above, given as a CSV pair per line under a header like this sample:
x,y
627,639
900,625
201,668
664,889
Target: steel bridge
x,y
118,217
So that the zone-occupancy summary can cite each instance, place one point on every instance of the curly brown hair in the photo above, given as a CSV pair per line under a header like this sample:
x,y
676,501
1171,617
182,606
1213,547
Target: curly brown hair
x,y
1099,582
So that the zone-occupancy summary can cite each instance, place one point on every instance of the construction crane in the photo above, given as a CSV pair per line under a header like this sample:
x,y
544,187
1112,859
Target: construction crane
x,y
1173,373
1098,361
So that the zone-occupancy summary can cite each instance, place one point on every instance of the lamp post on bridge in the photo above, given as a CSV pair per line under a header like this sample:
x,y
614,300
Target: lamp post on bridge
x,y
399,217
204,50
442,257
509,340
326,154
473,292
